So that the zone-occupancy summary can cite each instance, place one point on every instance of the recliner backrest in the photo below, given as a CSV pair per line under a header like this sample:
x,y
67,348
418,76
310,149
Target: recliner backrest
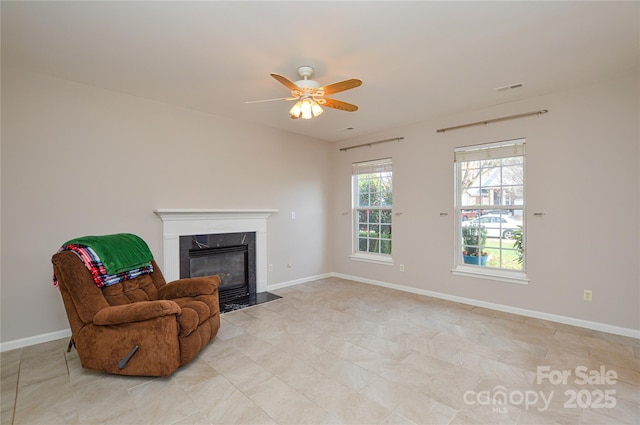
x,y
88,299
131,291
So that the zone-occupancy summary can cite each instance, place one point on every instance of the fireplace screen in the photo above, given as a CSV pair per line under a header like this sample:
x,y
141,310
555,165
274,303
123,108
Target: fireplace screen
x,y
230,263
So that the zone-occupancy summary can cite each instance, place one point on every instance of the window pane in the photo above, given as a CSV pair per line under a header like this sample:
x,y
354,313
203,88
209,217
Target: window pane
x,y
363,200
494,257
469,198
490,177
374,216
385,216
514,194
386,200
374,245
362,216
510,259
512,175
493,196
375,199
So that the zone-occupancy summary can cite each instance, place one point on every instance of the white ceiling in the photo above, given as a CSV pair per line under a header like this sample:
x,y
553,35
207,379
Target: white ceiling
x,y
417,60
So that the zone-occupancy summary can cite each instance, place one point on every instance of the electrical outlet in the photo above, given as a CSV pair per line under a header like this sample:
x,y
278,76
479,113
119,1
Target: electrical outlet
x,y
401,267
270,267
588,295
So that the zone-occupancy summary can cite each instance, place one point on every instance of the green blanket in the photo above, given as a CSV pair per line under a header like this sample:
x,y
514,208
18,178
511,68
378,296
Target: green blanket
x,y
119,253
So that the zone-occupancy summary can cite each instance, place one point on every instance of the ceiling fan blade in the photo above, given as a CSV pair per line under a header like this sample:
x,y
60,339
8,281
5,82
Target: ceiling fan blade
x,y
285,82
341,86
338,104
271,100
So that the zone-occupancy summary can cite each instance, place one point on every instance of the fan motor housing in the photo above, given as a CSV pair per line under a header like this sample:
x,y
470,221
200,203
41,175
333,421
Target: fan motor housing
x,y
307,84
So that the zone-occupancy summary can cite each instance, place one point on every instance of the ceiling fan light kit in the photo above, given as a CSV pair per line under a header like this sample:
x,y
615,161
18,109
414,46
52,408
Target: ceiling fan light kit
x,y
309,94
306,108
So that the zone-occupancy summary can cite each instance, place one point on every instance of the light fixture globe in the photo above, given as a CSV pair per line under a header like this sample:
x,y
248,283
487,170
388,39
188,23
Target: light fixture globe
x,y
316,110
305,108
295,110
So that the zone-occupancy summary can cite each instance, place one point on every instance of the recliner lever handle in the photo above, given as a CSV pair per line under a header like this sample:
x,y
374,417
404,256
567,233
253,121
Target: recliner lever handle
x,y
123,363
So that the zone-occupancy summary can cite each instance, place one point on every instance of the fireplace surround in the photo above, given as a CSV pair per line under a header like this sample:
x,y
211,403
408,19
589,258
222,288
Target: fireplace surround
x,y
177,223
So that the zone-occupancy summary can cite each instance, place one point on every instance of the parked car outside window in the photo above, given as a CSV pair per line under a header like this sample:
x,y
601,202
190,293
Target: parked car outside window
x,y
469,214
497,225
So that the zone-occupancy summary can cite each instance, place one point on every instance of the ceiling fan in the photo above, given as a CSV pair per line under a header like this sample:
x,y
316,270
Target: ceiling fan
x,y
310,94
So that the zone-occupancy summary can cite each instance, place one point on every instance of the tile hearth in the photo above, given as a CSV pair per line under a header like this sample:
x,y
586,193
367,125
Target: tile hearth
x,y
339,352
247,301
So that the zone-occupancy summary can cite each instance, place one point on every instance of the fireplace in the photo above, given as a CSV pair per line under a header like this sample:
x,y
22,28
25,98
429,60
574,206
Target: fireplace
x,y
209,227
232,256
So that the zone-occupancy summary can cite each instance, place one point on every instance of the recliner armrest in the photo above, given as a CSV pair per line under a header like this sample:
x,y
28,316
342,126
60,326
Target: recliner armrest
x,y
189,287
135,312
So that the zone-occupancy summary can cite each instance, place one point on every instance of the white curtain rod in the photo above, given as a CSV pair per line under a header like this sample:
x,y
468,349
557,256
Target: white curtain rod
x,y
486,122
372,143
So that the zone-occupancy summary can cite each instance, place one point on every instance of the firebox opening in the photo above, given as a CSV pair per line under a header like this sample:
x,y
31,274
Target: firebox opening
x,y
230,263
232,256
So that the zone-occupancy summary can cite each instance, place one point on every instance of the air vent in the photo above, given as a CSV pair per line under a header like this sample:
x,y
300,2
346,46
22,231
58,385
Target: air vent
x,y
509,87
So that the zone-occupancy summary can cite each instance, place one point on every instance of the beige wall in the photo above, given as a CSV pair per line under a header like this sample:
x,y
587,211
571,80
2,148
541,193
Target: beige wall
x,y
79,160
582,170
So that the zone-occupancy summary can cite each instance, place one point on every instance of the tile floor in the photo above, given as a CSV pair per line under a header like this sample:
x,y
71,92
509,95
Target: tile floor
x,y
334,352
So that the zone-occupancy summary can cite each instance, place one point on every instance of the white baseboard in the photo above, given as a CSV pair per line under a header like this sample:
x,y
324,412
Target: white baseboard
x,y
33,340
298,281
603,327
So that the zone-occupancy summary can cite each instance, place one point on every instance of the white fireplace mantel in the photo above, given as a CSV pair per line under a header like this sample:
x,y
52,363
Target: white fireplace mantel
x,y
180,222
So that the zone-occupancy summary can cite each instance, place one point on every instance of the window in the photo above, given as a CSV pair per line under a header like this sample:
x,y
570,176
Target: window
x,y
372,203
490,204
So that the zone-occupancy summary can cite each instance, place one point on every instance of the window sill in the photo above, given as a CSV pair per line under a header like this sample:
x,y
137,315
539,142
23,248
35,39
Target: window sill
x,y
378,259
491,274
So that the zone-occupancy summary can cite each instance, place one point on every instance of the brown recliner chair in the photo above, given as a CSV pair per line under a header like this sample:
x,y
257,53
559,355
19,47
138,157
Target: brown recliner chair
x,y
169,323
